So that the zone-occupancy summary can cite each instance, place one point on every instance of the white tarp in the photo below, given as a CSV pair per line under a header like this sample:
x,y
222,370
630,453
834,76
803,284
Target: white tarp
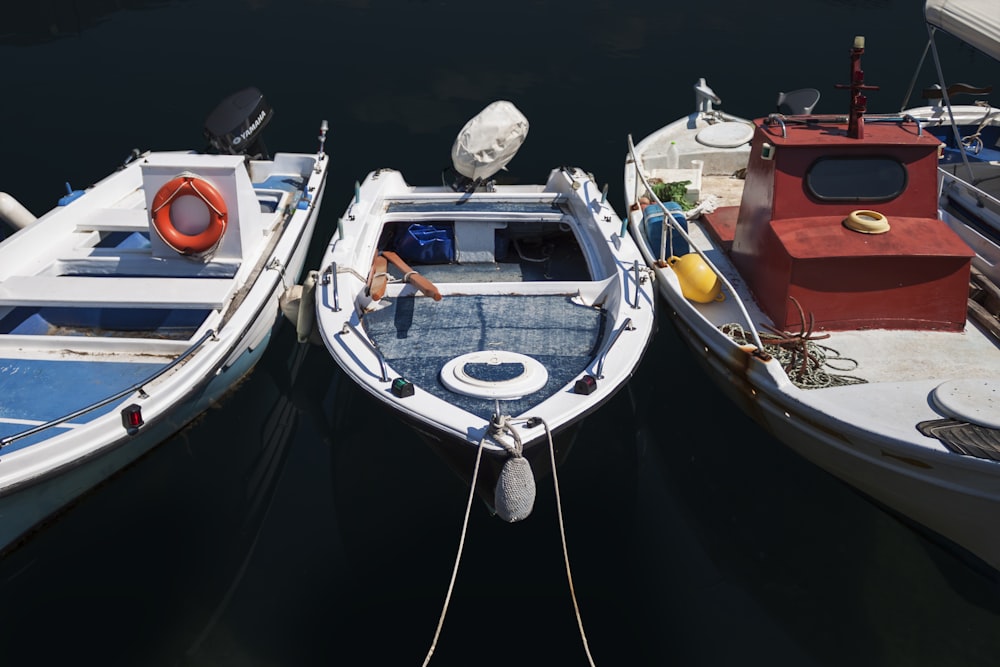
x,y
975,22
489,140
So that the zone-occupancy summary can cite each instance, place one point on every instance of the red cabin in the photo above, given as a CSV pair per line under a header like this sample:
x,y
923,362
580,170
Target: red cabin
x,y
893,264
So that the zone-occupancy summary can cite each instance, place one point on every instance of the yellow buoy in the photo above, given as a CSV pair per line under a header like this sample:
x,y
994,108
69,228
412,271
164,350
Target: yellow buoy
x,y
698,281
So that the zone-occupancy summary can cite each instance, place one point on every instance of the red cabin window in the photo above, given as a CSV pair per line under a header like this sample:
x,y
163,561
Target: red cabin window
x,y
856,179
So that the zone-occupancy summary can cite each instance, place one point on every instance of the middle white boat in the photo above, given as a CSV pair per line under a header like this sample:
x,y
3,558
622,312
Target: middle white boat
x,y
489,317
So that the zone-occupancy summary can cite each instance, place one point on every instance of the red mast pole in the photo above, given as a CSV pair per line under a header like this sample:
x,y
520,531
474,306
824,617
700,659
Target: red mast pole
x,y
859,103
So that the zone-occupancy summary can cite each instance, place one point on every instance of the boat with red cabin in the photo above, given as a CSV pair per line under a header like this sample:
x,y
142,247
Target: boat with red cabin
x,y
803,258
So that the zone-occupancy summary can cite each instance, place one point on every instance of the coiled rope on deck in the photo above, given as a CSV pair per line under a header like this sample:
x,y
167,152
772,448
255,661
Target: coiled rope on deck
x,y
465,524
804,360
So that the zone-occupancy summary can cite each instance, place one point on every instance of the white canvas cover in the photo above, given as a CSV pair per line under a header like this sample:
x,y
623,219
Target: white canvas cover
x,y
489,140
975,22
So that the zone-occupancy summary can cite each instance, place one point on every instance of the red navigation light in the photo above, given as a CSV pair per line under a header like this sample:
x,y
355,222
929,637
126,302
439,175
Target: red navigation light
x,y
585,385
132,418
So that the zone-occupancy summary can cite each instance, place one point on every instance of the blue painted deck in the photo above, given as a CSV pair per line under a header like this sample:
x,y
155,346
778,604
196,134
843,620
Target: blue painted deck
x,y
418,335
39,391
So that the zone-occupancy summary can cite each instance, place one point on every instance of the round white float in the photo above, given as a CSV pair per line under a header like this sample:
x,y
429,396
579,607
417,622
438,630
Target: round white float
x,y
729,134
975,400
532,378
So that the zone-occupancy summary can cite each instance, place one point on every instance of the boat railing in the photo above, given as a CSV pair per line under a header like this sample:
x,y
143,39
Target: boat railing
x,y
626,326
138,386
348,327
783,120
983,197
637,271
330,278
669,220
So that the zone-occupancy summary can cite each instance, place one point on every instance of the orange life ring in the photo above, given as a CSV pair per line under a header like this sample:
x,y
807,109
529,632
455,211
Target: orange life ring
x,y
189,185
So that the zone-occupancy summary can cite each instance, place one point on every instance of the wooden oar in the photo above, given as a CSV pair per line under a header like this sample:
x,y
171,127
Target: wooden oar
x,y
378,277
411,276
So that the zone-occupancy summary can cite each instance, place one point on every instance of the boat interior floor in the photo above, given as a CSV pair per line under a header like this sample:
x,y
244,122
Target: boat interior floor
x,y
417,336
70,384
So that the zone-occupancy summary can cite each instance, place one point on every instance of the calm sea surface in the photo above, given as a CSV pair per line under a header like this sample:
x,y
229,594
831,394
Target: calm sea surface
x,y
300,524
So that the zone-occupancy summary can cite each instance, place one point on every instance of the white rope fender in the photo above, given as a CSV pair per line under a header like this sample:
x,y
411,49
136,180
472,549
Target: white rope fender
x,y
514,494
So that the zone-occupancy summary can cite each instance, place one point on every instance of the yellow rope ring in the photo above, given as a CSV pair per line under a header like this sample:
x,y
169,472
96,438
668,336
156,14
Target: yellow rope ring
x,y
867,222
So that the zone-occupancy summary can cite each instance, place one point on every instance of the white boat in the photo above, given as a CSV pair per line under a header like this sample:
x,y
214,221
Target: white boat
x,y
136,303
970,131
490,317
812,276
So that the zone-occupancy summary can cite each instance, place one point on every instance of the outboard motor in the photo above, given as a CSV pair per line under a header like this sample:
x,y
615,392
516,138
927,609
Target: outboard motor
x,y
235,127
485,145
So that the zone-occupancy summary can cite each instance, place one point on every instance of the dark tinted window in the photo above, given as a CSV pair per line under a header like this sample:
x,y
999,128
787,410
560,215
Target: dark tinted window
x,y
856,179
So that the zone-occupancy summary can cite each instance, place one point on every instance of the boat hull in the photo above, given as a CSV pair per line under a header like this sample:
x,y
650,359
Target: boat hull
x,y
542,314
47,464
860,420
943,495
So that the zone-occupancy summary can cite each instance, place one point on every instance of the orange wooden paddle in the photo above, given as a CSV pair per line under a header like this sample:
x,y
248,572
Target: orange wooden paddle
x,y
411,276
378,278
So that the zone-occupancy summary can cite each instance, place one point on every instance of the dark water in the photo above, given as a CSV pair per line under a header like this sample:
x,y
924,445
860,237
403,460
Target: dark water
x,y
299,524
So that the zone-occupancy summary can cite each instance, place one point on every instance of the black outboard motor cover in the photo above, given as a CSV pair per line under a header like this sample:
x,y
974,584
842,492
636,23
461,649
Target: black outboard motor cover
x,y
235,127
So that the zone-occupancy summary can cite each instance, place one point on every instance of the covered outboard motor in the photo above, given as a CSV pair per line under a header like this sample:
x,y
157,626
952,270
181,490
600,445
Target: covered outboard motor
x,y
235,127
485,145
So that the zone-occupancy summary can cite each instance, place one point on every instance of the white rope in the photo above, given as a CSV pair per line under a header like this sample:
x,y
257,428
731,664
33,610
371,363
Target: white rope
x,y
562,533
502,425
458,556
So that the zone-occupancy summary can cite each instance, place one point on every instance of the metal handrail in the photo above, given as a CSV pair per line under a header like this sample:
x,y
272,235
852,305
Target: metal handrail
x,y
330,276
125,392
626,326
667,217
371,346
638,277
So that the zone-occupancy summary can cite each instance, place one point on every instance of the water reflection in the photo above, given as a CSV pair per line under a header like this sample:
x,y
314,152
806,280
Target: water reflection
x,y
27,23
300,524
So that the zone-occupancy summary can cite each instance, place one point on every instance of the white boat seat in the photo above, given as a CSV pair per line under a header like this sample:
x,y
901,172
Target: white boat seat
x,y
89,291
116,220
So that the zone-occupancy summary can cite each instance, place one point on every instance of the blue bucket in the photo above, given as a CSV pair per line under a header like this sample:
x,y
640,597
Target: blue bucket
x,y
652,222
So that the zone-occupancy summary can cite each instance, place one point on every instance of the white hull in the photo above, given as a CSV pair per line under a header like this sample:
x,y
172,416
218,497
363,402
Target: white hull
x,y
864,434
49,461
439,406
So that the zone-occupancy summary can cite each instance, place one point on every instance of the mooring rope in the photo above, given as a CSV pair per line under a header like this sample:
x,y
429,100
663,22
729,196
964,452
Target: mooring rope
x,y
562,534
458,556
465,525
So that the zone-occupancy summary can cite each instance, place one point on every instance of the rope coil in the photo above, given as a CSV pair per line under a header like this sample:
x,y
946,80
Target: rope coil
x,y
804,360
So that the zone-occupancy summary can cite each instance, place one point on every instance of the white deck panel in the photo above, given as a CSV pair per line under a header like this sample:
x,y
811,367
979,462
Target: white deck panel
x,y
116,220
88,291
